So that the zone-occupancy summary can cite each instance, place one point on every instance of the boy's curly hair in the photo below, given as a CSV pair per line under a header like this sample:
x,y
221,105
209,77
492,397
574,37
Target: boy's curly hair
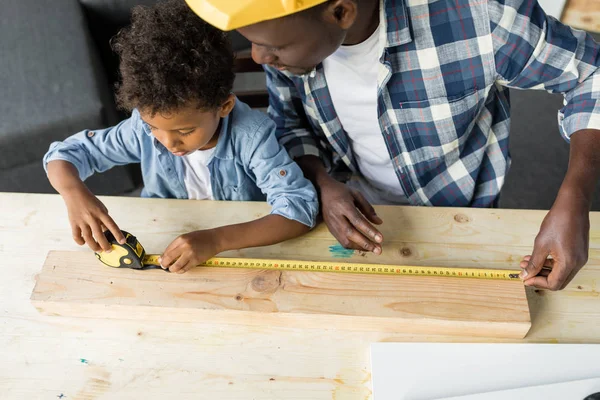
x,y
170,58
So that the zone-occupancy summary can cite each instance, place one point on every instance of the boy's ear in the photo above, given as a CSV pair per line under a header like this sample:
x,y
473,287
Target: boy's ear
x,y
227,106
342,13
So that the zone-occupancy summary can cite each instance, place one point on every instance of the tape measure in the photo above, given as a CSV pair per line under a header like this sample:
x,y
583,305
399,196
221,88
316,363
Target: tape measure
x,y
132,255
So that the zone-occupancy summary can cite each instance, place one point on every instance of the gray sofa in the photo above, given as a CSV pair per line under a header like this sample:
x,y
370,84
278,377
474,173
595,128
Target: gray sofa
x,y
57,73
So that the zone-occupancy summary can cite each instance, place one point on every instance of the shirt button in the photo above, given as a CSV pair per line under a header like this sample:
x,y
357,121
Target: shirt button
x,y
91,133
282,173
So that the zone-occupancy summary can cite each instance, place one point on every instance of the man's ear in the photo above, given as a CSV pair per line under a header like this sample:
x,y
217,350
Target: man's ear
x,y
227,106
342,13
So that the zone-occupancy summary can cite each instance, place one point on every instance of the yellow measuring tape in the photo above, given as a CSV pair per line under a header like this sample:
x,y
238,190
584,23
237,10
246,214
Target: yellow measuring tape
x,y
356,268
132,255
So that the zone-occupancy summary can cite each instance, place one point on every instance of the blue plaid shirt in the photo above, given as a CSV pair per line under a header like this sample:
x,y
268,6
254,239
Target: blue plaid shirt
x,y
442,104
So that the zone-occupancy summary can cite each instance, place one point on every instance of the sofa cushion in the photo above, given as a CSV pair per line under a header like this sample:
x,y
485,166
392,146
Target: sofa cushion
x,y
52,84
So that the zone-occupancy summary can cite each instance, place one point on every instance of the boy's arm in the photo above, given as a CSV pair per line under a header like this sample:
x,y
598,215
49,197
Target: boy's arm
x,y
99,150
194,248
534,51
87,215
288,192
292,197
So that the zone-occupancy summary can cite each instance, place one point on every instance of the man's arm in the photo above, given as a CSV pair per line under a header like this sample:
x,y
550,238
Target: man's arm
x,y
533,51
348,215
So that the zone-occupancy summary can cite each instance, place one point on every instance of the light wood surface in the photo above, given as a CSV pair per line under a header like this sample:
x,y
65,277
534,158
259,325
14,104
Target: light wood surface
x,y
91,358
582,14
76,284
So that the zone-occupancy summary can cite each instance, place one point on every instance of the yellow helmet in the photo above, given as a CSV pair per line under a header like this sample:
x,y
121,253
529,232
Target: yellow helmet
x,y
232,14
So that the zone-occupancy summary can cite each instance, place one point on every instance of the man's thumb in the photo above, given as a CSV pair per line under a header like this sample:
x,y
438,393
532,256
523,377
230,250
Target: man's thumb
x,y
535,264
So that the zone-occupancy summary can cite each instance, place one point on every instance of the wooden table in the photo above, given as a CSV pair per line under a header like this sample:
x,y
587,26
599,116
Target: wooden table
x,y
83,358
582,14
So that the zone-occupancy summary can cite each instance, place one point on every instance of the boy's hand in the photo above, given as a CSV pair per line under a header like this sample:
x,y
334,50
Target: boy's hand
x,y
190,250
89,219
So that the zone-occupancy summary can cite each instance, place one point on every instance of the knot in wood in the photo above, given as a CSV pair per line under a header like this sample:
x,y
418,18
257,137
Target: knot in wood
x,y
461,218
405,252
267,281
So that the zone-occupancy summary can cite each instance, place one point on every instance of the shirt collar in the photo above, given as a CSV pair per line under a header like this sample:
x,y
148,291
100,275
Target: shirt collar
x,y
224,148
395,29
394,18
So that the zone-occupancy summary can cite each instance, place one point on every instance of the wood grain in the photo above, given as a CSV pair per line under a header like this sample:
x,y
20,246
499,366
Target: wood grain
x,y
76,284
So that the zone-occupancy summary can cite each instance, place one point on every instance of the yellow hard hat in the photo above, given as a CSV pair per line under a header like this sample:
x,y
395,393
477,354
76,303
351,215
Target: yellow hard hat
x,y
232,14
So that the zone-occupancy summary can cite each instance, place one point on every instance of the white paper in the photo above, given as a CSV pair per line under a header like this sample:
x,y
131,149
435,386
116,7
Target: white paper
x,y
553,7
428,371
575,390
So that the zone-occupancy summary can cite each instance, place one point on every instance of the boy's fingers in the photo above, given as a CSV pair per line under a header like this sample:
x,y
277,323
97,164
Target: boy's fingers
x,y
86,232
179,264
169,255
110,224
100,237
77,235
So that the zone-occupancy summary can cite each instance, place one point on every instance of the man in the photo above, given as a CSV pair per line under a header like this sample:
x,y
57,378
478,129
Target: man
x,y
410,96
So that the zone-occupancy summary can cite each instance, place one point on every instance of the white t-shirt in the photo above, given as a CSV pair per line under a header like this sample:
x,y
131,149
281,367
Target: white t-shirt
x,y
196,174
351,73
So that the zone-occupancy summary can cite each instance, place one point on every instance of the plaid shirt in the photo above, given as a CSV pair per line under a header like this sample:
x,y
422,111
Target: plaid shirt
x,y
443,106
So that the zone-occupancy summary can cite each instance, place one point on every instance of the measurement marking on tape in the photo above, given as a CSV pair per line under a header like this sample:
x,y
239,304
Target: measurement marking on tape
x,y
345,267
325,266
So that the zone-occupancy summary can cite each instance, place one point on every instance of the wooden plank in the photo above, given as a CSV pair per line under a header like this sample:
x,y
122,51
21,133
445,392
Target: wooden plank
x,y
583,14
76,284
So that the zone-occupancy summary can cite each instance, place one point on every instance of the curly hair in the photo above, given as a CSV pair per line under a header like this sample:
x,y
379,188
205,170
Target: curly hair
x,y
170,58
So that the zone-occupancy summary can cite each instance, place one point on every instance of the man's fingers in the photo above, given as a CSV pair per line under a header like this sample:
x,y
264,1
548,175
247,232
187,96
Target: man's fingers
x,y
86,232
366,208
555,279
110,224
535,263
363,226
351,238
538,281
549,263
361,241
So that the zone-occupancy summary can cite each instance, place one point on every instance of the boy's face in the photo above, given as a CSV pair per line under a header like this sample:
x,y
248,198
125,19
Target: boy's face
x,y
298,43
188,129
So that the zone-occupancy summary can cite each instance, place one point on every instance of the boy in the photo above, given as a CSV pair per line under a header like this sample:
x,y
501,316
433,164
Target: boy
x,y
192,138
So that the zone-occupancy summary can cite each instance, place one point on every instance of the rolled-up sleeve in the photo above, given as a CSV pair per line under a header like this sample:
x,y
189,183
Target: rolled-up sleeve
x,y
535,51
92,151
292,127
288,192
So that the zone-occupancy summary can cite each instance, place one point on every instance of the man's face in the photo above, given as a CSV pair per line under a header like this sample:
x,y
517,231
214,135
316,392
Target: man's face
x,y
296,43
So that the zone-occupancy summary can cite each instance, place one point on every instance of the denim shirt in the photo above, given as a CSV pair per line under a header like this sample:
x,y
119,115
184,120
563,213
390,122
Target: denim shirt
x,y
248,163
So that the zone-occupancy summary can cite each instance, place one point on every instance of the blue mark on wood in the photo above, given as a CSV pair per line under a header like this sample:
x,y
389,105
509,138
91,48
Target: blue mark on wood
x,y
338,251
83,361
61,396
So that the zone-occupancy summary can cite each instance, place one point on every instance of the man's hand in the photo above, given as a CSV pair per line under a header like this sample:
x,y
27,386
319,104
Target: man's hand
x,y
190,250
89,219
564,235
348,216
